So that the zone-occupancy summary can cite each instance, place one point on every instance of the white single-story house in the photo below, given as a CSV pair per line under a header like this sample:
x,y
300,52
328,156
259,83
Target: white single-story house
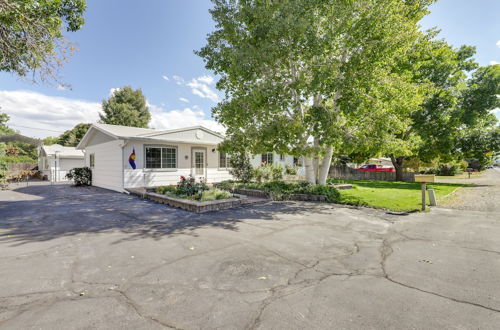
x,y
122,157
55,161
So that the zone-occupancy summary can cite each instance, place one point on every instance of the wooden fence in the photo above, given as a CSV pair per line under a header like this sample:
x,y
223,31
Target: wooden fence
x,y
344,172
18,167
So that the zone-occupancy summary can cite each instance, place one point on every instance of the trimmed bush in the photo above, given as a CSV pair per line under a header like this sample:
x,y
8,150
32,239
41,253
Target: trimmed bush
x,y
241,168
81,176
279,190
448,170
215,194
290,170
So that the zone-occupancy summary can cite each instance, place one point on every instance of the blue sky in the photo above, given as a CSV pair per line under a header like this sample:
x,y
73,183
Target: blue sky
x,y
150,44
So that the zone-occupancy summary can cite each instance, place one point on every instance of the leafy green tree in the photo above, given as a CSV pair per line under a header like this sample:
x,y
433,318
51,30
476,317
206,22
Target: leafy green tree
x,y
479,136
424,123
50,140
481,145
481,95
72,137
126,107
31,34
295,72
4,129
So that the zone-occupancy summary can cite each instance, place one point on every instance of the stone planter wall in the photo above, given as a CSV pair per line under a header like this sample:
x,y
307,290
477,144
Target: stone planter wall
x,y
252,192
307,198
292,197
189,205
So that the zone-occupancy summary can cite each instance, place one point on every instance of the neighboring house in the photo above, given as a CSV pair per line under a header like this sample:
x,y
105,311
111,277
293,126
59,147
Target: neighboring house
x,y
55,161
125,157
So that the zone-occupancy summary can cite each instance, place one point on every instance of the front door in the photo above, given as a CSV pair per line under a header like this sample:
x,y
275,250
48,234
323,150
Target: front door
x,y
199,158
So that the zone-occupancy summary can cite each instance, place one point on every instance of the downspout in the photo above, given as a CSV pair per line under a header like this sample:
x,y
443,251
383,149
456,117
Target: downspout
x,y
122,146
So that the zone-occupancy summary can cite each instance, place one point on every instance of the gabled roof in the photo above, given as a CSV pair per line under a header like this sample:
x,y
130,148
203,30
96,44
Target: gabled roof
x,y
62,152
146,134
123,131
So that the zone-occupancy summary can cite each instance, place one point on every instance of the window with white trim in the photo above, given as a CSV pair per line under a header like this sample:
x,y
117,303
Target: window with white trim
x,y
223,161
267,158
160,157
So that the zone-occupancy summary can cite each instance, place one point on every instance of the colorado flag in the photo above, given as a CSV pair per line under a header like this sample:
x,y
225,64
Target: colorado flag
x,y
131,159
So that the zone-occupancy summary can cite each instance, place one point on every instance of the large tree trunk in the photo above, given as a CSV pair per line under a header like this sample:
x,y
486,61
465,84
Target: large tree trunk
x,y
325,166
310,173
397,162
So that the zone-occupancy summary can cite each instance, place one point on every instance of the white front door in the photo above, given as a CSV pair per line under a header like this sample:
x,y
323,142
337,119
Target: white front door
x,y
199,163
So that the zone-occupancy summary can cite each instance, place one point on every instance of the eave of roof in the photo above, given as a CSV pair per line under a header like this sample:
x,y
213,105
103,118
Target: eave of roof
x,y
147,136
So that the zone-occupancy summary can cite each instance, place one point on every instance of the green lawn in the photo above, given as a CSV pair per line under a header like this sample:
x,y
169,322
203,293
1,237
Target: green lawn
x,y
395,196
463,175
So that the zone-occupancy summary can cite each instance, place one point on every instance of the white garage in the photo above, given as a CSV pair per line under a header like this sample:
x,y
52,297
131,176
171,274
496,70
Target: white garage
x,y
55,161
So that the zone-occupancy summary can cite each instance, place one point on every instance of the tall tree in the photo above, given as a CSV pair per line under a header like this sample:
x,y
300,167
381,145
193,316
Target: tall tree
x,y
479,135
294,72
72,137
4,129
427,127
126,107
31,36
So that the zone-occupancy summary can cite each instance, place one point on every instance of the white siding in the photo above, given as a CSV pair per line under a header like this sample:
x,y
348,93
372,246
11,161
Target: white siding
x,y
58,173
107,171
141,177
256,160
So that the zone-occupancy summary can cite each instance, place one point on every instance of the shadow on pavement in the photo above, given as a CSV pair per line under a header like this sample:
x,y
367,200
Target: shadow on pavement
x,y
46,212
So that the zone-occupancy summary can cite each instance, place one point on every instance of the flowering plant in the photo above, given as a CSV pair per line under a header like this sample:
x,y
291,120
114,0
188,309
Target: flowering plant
x,y
189,186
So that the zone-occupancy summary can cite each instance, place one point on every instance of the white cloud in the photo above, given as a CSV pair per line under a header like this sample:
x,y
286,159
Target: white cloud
x,y
498,43
494,62
182,99
166,78
178,80
50,113
200,87
206,80
170,119
113,90
496,112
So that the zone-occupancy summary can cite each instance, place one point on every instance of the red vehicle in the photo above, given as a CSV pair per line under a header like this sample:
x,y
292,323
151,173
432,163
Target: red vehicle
x,y
376,168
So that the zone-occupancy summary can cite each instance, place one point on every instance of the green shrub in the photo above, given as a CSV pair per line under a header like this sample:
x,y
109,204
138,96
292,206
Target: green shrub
x,y
189,186
201,195
290,170
215,194
448,170
165,190
268,172
3,175
279,190
332,195
17,159
241,168
81,176
276,172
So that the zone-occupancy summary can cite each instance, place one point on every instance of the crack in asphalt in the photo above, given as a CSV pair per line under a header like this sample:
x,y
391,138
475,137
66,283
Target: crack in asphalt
x,y
136,308
386,252
294,284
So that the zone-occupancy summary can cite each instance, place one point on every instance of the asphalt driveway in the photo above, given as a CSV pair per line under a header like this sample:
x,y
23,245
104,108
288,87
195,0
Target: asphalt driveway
x,y
74,258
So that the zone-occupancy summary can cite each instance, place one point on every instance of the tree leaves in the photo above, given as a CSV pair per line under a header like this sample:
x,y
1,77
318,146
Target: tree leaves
x,y
126,107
